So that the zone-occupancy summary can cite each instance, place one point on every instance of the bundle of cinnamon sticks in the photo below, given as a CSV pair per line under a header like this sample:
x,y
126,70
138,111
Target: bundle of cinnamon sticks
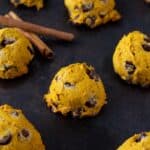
x,y
31,31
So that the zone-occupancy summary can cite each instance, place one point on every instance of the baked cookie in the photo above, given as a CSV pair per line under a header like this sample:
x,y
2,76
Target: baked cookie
x,y
29,3
137,142
76,90
92,12
16,132
16,52
131,58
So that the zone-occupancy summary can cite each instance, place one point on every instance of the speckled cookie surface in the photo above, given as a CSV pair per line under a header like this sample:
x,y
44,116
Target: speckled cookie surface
x,y
15,53
131,58
76,90
16,132
137,142
92,12
29,3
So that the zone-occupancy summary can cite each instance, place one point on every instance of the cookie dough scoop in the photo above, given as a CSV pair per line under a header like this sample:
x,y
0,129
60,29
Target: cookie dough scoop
x,y
28,3
92,13
76,90
131,59
16,53
16,132
139,141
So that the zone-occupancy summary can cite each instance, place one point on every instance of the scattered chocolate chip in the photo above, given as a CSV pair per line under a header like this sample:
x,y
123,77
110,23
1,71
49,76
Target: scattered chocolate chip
x,y
68,85
5,139
92,74
24,134
30,50
90,21
146,47
91,102
6,41
130,67
16,1
87,7
140,137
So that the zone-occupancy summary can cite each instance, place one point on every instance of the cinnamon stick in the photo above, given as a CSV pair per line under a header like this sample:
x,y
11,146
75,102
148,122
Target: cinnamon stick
x,y
30,27
36,41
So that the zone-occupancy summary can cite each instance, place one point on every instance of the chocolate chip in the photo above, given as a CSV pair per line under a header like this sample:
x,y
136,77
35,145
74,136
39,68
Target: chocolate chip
x,y
87,7
104,1
6,41
146,47
8,67
15,114
91,102
68,85
5,140
90,21
77,113
102,14
140,137
24,134
130,67
30,50
147,39
92,74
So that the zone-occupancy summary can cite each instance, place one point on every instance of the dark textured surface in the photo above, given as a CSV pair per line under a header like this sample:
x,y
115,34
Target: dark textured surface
x,y
128,109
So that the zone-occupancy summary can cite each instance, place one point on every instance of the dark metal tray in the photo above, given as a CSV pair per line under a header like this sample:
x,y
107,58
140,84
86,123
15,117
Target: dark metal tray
x,y
128,108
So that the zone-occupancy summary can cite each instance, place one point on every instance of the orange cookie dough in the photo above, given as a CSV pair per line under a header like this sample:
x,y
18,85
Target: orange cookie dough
x,y
16,52
131,58
29,3
16,132
77,90
92,12
137,142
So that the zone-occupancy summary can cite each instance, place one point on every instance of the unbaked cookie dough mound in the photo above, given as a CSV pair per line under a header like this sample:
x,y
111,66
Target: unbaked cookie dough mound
x,y
131,58
92,12
137,142
29,3
76,90
16,132
16,52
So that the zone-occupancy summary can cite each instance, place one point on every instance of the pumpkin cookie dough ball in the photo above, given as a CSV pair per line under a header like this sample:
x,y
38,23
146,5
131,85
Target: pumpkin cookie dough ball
x,y
16,52
29,3
77,90
92,12
137,142
16,132
131,58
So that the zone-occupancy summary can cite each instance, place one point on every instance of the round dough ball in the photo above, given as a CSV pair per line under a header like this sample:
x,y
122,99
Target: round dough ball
x,y
92,12
137,142
16,52
76,90
29,3
16,132
131,58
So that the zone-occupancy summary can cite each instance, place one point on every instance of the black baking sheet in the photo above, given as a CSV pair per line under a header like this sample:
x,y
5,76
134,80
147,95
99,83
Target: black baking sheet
x,y
128,108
